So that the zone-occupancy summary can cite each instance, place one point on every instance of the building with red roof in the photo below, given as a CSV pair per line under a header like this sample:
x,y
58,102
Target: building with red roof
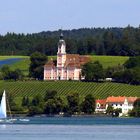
x,y
67,66
119,102
100,106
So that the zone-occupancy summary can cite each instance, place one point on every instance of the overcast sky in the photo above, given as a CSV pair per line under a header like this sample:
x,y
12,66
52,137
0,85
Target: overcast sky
x,y
30,16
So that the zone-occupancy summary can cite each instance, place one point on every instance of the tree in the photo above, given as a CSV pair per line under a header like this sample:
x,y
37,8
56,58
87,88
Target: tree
x,y
5,72
116,112
50,94
54,106
88,105
33,110
36,68
37,100
50,107
37,105
93,71
132,62
73,103
109,109
136,110
8,74
25,101
129,76
16,74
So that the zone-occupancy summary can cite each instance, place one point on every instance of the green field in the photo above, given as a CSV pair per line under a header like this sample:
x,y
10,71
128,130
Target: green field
x,y
12,56
106,61
109,61
23,64
99,90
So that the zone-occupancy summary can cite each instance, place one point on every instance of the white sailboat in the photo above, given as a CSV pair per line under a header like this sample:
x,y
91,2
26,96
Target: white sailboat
x,y
3,110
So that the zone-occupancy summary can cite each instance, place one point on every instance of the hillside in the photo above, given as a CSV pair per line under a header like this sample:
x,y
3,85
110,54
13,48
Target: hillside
x,y
106,61
99,90
98,41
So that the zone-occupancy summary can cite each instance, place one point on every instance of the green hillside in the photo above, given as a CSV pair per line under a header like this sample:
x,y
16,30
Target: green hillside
x,y
109,61
12,56
106,61
99,90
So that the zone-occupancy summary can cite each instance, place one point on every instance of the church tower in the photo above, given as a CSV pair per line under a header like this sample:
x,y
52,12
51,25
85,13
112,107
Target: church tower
x,y
61,57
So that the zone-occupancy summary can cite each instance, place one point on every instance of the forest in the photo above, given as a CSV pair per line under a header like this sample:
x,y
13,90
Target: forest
x,y
99,41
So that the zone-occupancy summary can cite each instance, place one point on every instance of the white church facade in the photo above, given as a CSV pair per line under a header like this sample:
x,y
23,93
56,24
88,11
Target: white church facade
x,y
67,66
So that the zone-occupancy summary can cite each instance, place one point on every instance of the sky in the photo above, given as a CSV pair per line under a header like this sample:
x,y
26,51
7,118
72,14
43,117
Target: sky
x,y
32,16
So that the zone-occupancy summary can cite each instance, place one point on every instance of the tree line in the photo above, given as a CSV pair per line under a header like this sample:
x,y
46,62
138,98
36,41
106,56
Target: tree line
x,y
99,41
128,73
53,104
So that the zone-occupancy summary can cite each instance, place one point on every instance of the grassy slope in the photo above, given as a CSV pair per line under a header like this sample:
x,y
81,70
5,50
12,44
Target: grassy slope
x,y
109,61
8,57
99,90
106,61
22,64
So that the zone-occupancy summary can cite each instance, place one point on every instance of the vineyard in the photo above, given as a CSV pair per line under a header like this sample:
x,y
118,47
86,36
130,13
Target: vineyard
x,y
99,90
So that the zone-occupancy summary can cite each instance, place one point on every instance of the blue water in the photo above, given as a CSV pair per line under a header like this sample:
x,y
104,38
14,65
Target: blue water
x,y
9,61
82,121
75,128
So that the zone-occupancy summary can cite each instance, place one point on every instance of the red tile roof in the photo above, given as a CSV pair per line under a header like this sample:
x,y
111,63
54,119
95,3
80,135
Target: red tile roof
x,y
113,99
131,99
102,101
72,60
120,99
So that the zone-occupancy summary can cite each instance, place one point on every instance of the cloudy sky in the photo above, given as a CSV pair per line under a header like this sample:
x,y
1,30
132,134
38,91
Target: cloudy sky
x,y
30,16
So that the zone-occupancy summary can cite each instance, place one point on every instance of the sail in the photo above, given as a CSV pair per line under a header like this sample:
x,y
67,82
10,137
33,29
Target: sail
x,y
3,113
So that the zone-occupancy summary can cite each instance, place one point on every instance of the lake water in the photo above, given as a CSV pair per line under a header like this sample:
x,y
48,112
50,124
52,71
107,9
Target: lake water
x,y
9,61
74,128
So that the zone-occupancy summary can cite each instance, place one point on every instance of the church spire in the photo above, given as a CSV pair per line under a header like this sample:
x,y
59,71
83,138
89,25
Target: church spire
x,y
61,36
61,45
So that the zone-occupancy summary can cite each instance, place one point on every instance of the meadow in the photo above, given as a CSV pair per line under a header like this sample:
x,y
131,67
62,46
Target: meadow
x,y
106,61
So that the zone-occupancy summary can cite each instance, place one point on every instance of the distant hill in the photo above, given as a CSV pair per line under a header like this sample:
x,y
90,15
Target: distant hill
x,y
99,41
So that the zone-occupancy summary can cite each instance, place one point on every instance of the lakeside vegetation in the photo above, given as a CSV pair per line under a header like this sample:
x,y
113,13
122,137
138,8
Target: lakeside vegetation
x,y
29,97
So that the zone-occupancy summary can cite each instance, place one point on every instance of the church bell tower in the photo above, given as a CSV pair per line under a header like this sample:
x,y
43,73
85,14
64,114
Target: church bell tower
x,y
61,58
61,53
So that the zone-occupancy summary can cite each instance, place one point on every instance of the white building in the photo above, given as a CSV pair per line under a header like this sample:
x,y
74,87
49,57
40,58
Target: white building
x,y
123,103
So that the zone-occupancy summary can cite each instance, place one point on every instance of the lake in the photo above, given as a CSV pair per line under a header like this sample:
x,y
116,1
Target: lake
x,y
74,128
9,61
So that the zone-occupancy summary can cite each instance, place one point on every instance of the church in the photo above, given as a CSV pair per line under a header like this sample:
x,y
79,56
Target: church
x,y
67,66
